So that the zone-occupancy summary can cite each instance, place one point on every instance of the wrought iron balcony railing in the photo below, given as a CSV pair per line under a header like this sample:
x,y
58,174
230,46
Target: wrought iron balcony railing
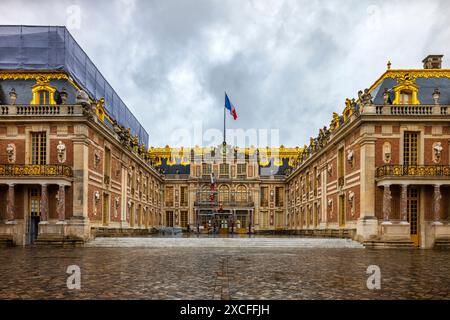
x,y
32,170
413,171
229,199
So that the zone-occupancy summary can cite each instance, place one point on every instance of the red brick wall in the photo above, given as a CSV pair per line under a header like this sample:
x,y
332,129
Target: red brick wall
x,y
356,204
355,165
20,150
54,152
333,209
333,176
99,167
395,151
428,155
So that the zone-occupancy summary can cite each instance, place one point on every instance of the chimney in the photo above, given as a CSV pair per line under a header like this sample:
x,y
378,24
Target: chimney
x,y
433,61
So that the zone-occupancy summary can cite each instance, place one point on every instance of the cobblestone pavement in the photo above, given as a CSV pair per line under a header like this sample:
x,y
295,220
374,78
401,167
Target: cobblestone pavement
x,y
223,273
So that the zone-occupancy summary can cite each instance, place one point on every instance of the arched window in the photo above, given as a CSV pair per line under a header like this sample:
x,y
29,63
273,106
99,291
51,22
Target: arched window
x,y
224,194
241,194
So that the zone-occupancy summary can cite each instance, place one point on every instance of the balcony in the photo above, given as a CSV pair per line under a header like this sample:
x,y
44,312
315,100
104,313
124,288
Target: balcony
x,y
230,199
407,110
41,110
412,171
31,170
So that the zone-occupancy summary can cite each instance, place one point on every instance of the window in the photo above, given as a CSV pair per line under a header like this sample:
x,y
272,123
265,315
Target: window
x,y
410,149
224,170
241,194
264,197
341,163
169,196
342,210
184,197
308,185
315,181
35,202
224,194
242,170
107,168
105,209
184,218
279,196
38,148
265,221
405,97
44,97
169,218
206,169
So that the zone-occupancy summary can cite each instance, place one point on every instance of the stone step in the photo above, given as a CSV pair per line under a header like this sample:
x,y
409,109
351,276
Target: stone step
x,y
442,244
6,240
380,244
56,240
225,242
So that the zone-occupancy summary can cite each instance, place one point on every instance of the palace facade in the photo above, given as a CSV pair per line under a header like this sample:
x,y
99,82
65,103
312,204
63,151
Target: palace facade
x,y
75,164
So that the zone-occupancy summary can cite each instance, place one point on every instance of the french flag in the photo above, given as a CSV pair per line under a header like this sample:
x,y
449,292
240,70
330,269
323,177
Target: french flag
x,y
230,106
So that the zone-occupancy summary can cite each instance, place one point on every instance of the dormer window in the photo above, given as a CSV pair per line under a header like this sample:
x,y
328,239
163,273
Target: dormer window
x,y
407,91
44,97
42,92
405,97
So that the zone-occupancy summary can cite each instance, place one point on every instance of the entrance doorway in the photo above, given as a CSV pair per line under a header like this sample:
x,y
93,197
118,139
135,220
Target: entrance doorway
x,y
34,214
413,214
342,210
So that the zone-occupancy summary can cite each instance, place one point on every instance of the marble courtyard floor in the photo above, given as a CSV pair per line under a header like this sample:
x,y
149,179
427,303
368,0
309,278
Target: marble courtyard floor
x,y
286,268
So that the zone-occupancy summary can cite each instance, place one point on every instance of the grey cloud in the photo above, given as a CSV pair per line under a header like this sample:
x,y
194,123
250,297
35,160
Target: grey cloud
x,y
286,64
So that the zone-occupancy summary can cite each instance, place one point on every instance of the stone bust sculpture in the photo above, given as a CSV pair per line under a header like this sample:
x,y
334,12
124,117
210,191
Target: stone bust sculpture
x,y
11,152
61,148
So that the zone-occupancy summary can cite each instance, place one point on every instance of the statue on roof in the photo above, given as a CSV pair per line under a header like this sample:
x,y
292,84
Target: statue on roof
x,y
312,144
142,149
82,97
335,122
365,98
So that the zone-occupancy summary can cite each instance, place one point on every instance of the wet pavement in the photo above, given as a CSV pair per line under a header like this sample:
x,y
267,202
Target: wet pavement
x,y
208,273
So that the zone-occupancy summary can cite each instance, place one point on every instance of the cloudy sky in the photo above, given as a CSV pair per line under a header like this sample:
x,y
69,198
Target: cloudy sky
x,y
286,65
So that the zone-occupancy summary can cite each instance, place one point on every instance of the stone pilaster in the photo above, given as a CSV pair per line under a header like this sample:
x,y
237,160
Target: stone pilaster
x,y
367,225
81,173
404,203
44,204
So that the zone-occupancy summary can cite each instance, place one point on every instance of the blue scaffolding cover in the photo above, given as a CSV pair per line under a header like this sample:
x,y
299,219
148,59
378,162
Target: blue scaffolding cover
x,y
54,48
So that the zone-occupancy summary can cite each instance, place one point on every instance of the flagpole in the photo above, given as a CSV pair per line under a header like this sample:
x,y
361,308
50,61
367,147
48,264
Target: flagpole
x,y
224,134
